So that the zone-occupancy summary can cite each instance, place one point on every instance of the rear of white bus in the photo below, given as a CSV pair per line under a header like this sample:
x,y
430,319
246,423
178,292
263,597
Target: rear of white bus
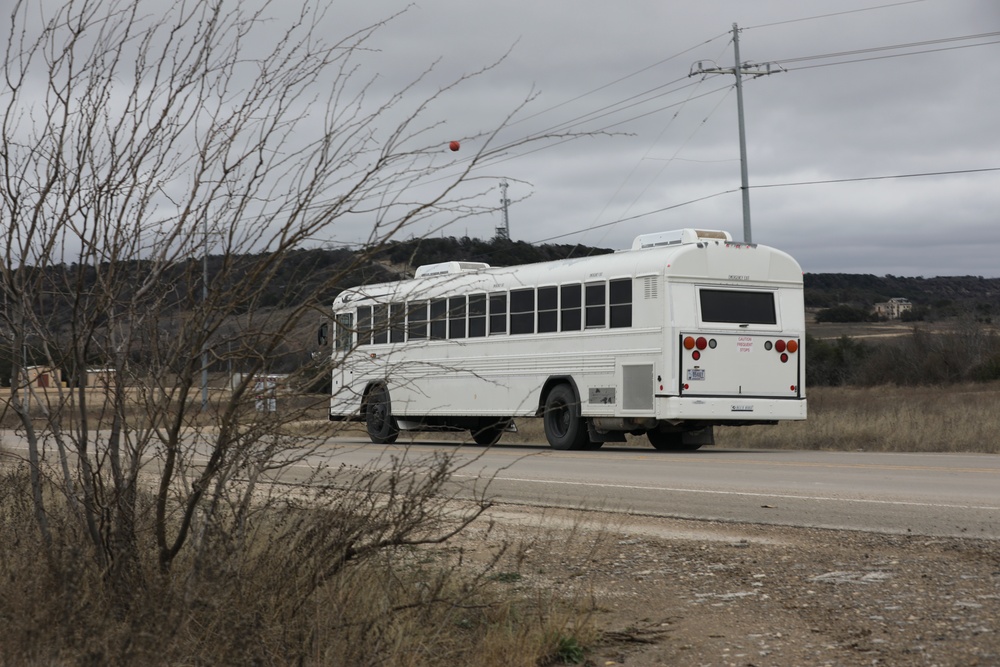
x,y
739,341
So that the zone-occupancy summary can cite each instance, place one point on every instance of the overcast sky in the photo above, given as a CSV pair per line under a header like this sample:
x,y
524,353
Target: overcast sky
x,y
623,68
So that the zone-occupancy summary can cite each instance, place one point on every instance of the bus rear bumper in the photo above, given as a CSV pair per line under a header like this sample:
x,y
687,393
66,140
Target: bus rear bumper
x,y
729,408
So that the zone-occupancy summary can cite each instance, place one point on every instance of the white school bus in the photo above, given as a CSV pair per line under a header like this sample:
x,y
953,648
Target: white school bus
x,y
683,331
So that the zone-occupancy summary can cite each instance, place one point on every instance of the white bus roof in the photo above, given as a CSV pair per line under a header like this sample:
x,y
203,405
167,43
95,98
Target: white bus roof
x,y
688,254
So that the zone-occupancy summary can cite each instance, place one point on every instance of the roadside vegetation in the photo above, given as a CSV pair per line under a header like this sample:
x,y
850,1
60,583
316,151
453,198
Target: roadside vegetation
x,y
283,589
165,167
885,418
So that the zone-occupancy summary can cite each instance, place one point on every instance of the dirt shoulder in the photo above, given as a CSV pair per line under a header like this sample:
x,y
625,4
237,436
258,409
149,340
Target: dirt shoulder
x,y
673,592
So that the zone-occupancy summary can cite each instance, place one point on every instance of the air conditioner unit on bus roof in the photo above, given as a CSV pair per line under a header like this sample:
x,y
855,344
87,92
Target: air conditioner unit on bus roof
x,y
679,237
444,268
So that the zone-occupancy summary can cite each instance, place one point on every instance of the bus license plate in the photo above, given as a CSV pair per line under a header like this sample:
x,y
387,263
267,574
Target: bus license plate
x,y
696,374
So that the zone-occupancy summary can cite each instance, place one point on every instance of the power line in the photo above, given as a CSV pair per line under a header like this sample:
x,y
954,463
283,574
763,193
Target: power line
x,y
769,185
879,178
501,153
891,47
886,57
621,79
635,217
501,156
618,107
826,16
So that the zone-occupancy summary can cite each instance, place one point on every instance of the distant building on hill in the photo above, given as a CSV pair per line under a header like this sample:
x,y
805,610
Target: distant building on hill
x,y
894,308
41,377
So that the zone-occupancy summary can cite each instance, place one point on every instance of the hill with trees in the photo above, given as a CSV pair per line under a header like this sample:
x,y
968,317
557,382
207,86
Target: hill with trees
x,y
933,298
319,274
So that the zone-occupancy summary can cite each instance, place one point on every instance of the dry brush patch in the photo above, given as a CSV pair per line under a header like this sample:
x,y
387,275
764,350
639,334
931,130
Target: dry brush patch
x,y
949,418
946,418
265,600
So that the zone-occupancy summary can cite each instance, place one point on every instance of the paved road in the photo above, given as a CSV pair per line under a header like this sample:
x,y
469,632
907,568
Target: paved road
x,y
955,495
923,494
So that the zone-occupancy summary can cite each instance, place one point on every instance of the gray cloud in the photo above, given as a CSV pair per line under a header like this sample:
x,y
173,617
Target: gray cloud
x,y
623,68
932,112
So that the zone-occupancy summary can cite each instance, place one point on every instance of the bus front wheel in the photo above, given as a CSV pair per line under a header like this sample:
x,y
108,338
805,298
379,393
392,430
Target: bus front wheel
x,y
564,428
382,427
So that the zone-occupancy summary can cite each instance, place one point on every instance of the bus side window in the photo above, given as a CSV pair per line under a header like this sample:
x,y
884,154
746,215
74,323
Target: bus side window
x,y
345,331
548,309
364,325
397,322
596,301
439,318
380,327
498,313
477,315
456,317
417,320
571,312
522,311
620,300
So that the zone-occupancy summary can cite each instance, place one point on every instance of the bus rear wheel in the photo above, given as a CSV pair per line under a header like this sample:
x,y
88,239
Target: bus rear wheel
x,y
564,428
382,427
489,431
670,442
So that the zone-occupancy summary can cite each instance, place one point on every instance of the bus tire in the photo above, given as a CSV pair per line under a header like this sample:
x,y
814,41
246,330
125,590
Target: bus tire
x,y
382,427
670,442
488,432
564,428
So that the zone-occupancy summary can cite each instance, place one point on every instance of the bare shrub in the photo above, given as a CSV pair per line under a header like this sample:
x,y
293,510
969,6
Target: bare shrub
x,y
163,165
287,595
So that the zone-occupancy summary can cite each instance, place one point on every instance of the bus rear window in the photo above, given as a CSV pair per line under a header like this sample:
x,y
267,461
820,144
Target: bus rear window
x,y
738,307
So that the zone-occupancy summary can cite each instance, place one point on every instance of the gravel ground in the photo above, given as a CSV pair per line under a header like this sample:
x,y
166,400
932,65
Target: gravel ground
x,y
670,592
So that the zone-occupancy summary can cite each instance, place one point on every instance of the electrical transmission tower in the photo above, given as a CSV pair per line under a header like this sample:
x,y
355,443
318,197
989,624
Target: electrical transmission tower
x,y
503,232
739,70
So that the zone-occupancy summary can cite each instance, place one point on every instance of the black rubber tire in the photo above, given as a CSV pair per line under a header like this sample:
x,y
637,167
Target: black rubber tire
x,y
382,427
564,428
669,442
489,431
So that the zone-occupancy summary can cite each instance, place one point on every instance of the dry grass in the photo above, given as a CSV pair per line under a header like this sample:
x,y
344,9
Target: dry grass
x,y
957,418
261,605
962,418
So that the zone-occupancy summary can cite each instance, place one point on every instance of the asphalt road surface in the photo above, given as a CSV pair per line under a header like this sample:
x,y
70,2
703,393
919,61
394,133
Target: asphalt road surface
x,y
945,495
955,495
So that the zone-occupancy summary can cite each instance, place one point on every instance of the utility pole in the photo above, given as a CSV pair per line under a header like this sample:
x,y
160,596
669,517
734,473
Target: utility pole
x,y
503,232
739,70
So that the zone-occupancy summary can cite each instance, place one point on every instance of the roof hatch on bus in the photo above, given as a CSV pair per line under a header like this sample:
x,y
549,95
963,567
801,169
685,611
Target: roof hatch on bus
x,y
448,267
679,237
